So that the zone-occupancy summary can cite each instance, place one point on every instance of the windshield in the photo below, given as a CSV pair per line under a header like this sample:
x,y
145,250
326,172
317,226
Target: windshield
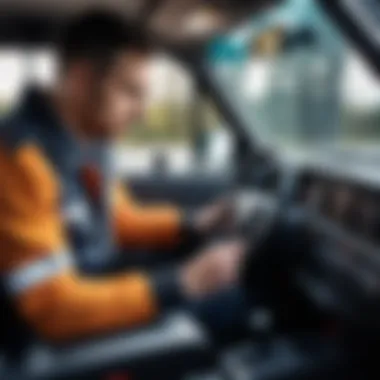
x,y
296,82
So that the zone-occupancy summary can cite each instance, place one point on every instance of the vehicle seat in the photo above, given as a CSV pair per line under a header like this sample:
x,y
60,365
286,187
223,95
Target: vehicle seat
x,y
172,346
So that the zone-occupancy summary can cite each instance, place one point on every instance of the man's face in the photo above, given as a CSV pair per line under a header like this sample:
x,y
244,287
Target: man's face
x,y
116,98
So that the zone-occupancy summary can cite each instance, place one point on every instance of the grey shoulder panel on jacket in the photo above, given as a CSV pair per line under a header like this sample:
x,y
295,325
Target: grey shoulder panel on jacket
x,y
16,131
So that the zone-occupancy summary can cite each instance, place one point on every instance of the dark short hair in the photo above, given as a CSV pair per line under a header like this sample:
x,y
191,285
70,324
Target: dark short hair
x,y
99,36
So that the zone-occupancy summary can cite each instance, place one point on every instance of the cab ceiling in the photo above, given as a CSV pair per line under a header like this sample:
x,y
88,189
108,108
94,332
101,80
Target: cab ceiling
x,y
174,21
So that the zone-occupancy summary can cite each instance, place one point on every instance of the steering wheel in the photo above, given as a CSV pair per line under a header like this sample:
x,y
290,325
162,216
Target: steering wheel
x,y
277,240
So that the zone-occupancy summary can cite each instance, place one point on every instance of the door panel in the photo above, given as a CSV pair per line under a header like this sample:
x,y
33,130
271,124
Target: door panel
x,y
190,191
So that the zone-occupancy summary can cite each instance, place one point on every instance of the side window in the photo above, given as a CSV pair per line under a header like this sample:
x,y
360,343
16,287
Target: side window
x,y
182,132
20,67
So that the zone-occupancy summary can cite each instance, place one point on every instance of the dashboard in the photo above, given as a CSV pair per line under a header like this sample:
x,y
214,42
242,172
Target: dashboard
x,y
342,216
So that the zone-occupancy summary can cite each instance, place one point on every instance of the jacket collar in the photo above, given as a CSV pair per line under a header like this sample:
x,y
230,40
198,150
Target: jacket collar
x,y
61,144
37,108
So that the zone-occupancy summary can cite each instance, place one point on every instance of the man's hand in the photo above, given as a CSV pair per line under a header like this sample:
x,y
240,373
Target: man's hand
x,y
218,216
216,268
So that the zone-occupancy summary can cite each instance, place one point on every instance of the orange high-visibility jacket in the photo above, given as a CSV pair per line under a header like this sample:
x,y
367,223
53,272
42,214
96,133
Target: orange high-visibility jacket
x,y
56,204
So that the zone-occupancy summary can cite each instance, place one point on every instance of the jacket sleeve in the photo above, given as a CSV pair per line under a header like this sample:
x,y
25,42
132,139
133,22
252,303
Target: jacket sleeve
x,y
48,293
145,226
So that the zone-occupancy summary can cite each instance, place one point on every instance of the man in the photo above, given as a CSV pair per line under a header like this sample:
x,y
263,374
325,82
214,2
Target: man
x,y
59,201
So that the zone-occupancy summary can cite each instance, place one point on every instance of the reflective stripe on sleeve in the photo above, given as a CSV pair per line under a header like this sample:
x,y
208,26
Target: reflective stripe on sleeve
x,y
22,279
